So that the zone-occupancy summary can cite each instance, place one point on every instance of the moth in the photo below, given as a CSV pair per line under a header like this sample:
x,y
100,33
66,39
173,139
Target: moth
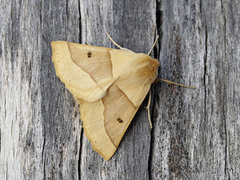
x,y
110,85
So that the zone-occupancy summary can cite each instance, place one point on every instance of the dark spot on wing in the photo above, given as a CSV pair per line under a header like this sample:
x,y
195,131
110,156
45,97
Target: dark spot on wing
x,y
120,120
89,54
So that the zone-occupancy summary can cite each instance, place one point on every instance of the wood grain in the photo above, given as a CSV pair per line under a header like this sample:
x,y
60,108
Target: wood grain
x,y
195,132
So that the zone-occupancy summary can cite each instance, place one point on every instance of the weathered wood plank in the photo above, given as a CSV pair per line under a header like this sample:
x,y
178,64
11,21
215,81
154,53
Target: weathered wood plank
x,y
196,132
60,21
39,133
20,113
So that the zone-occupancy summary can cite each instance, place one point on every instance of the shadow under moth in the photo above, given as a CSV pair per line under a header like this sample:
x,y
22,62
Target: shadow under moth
x,y
110,85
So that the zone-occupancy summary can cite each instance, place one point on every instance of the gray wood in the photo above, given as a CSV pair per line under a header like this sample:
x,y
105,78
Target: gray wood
x,y
196,132
40,137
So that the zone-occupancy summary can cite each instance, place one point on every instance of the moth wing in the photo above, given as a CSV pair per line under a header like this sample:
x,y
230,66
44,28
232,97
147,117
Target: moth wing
x,y
106,120
86,70
110,85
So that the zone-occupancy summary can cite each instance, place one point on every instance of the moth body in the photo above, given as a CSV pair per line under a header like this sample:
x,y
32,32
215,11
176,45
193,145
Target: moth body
x,y
110,85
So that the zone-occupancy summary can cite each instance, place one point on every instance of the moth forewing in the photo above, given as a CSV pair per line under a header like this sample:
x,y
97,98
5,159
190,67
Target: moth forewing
x,y
109,84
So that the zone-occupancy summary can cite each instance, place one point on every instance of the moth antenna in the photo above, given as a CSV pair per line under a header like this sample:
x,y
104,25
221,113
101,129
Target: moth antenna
x,y
87,43
148,108
155,42
114,41
171,82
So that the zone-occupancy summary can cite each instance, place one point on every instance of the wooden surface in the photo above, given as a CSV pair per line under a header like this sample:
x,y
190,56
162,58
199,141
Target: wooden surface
x,y
196,132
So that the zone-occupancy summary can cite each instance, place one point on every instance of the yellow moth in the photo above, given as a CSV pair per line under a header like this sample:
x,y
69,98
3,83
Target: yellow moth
x,y
110,85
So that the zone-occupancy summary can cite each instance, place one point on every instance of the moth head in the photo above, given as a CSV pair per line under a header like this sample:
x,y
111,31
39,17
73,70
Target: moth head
x,y
146,67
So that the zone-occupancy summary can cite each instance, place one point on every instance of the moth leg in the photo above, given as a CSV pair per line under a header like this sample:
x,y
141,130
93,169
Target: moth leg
x,y
148,108
171,82
87,43
117,44
114,41
155,42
